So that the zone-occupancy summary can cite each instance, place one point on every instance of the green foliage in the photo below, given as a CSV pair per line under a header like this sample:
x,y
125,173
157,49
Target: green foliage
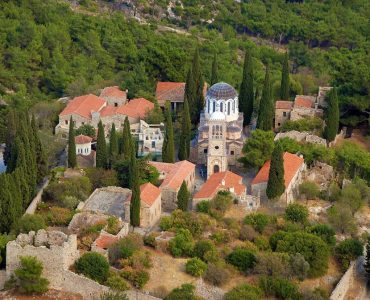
x,y
86,129
135,204
102,178
310,124
296,212
127,146
205,250
113,145
272,264
314,250
332,116
258,148
244,292
113,296
72,162
185,137
138,278
195,267
182,244
29,223
186,292
57,216
29,276
221,203
117,283
309,189
279,287
94,266
246,94
183,197
241,258
276,185
259,221
348,250
341,218
214,72
101,148
325,232
4,239
204,206
168,149
266,110
217,274
284,86
367,259
125,247
299,266
149,240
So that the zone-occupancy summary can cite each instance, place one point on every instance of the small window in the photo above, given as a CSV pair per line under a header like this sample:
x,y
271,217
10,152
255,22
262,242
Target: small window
x,y
66,121
278,124
284,113
153,144
217,147
205,151
115,104
83,123
232,152
147,138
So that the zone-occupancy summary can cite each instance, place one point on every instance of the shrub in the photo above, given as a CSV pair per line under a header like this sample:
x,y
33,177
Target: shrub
x,y
138,278
341,218
182,244
58,216
149,240
29,223
186,292
325,232
241,258
279,288
221,236
117,283
275,238
316,294
244,291
296,213
204,248
165,223
101,178
140,260
257,220
204,206
114,296
125,247
309,189
262,243
29,276
94,266
70,202
247,232
222,202
313,124
299,266
195,267
4,239
217,274
272,264
113,225
348,250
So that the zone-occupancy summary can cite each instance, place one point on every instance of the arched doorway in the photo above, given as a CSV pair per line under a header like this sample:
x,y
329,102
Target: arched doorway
x,y
216,169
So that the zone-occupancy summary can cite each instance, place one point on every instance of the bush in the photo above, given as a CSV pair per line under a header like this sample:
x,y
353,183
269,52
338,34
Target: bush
x,y
275,238
94,266
29,223
244,292
262,243
114,296
117,283
149,240
247,232
140,260
217,274
125,247
102,178
258,221
279,288
29,276
186,292
70,202
241,258
296,213
299,266
313,124
204,206
272,264
222,202
58,216
113,225
138,278
309,189
165,223
348,250
325,232
195,267
182,244
4,239
204,249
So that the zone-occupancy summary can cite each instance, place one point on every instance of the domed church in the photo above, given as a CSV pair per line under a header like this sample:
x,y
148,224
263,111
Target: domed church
x,y
220,137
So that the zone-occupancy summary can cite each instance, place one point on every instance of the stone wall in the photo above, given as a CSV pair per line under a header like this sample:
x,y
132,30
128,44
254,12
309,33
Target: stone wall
x,y
2,279
33,205
301,137
344,284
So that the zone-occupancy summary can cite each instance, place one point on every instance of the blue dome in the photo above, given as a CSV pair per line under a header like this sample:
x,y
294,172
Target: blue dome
x,y
221,91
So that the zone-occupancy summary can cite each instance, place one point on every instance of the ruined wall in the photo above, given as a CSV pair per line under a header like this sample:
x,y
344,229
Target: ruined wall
x,y
343,285
2,279
33,205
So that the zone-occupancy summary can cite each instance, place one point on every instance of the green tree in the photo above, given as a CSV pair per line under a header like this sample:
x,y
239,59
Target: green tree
x,y
86,129
94,266
127,145
168,149
309,189
182,244
341,218
190,92
29,276
199,84
259,221
367,260
101,148
244,292
135,188
185,291
348,250
29,223
284,86
266,109
41,160
113,145
214,72
185,138
183,197
325,232
246,94
241,258
296,213
279,287
72,162
195,267
332,116
275,184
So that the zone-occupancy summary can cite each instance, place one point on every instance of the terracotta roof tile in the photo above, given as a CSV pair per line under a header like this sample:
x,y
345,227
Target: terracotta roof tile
x,y
108,111
136,108
302,102
105,240
282,104
84,105
292,163
113,91
175,173
149,193
221,181
173,91
82,139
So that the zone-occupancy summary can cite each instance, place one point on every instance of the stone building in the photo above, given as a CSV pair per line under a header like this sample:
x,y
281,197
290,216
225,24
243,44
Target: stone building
x,y
110,107
149,138
294,167
282,112
172,176
220,137
85,156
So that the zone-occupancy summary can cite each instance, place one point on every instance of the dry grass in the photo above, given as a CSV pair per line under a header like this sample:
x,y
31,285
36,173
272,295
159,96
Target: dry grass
x,y
50,295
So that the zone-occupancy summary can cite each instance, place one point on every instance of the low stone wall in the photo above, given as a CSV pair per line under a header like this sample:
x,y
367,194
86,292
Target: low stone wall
x,y
2,279
344,284
33,205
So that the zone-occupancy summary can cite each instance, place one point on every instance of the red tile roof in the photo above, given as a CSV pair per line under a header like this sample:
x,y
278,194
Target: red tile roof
x,y
282,104
113,91
173,91
136,108
82,139
149,193
84,106
292,163
221,181
105,240
303,102
108,111
175,173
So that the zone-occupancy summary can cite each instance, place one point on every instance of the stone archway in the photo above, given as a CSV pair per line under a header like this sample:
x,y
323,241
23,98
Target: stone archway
x,y
216,169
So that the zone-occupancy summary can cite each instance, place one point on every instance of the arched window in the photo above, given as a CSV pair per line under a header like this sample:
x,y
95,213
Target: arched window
x,y
214,106
228,108
234,106
216,169
209,104
222,107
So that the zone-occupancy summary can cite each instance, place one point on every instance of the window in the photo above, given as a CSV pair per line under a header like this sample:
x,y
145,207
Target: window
x,y
83,123
222,107
278,124
217,147
214,106
228,108
284,113
205,151
232,152
153,144
147,138
66,121
115,104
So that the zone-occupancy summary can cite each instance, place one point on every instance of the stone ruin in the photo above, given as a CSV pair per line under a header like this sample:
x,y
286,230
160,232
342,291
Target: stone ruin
x,y
304,136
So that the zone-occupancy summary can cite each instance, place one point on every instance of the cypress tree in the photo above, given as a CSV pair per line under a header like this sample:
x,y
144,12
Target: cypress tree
x,y
190,90
199,84
284,87
246,96
9,139
168,149
113,145
332,116
72,161
185,138
214,74
275,184
135,188
367,260
127,140
266,110
41,161
183,197
101,148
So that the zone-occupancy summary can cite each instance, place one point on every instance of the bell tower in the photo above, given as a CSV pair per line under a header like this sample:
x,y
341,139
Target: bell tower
x,y
217,155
